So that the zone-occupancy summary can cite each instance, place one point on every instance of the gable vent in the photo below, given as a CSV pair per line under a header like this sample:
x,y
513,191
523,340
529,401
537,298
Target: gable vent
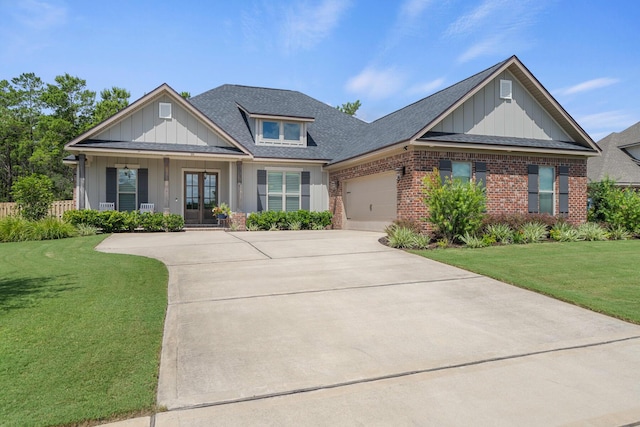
x,y
505,89
165,110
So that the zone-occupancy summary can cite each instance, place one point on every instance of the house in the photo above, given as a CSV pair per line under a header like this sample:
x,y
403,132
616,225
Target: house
x,y
620,158
269,149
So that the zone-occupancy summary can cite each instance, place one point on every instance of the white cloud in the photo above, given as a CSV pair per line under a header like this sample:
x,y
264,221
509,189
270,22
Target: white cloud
x,y
478,17
306,25
485,47
427,88
412,9
589,85
616,120
377,84
40,15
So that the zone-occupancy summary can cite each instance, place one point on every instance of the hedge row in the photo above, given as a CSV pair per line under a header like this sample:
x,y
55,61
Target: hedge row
x,y
117,222
297,220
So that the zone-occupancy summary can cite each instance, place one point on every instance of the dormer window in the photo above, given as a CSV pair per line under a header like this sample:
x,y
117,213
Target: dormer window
x,y
272,132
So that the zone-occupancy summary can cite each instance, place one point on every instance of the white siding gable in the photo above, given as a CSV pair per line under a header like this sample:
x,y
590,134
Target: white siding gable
x,y
486,113
145,125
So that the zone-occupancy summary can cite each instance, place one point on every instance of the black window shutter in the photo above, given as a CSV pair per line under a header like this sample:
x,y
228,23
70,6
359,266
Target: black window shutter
x,y
112,185
481,174
563,175
532,170
445,168
262,190
143,186
306,191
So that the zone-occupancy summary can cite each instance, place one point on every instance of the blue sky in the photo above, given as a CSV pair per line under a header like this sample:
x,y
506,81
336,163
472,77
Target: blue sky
x,y
385,53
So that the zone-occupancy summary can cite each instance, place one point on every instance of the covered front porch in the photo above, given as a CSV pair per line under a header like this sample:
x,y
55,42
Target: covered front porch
x,y
190,187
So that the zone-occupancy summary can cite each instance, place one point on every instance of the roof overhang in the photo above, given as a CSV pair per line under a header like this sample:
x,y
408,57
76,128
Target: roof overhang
x,y
124,152
266,116
163,89
466,146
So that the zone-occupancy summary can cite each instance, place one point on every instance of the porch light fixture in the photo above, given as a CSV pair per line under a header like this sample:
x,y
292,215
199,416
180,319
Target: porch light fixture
x,y
400,172
127,172
334,185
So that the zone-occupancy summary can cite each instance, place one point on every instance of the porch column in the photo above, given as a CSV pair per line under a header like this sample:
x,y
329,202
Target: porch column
x,y
81,182
239,180
167,203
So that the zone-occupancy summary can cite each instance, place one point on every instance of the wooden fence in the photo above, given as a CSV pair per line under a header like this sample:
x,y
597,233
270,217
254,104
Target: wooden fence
x,y
57,208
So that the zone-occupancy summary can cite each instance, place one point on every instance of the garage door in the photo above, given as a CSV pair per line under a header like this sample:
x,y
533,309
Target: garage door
x,y
370,202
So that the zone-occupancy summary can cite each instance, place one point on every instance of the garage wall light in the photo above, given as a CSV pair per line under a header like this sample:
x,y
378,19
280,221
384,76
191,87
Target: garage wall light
x,y
400,172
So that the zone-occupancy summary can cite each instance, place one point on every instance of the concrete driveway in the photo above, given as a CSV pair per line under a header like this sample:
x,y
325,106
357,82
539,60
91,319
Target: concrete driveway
x,y
332,328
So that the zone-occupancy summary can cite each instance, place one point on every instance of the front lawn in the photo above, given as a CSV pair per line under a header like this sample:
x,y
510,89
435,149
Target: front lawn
x,y
80,332
601,276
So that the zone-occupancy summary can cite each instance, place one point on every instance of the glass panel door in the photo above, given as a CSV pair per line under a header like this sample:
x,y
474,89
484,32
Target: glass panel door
x,y
200,196
191,197
210,196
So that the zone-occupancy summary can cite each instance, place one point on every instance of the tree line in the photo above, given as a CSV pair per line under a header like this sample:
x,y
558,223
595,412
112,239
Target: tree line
x,y
37,119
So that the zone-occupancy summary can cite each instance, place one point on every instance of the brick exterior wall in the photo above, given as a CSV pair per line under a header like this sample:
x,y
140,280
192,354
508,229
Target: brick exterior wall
x,y
507,182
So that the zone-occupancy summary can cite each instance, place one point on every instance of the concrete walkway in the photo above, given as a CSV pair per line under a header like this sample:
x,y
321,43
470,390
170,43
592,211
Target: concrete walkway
x,y
332,328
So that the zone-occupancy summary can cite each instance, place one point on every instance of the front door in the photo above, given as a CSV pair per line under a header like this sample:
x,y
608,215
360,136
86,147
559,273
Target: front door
x,y
200,196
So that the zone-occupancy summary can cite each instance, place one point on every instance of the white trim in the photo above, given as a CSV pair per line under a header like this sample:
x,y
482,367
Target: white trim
x,y
122,152
301,142
487,147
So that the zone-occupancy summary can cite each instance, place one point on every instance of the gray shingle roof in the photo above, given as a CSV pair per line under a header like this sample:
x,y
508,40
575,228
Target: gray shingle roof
x,y
615,162
405,123
330,130
503,141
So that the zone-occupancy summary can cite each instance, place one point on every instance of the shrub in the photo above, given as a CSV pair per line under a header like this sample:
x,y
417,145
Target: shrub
x,y
455,208
502,233
405,223
33,195
533,232
618,233
406,238
86,216
517,220
278,220
564,232
591,231
401,238
51,228
173,222
152,221
15,229
614,206
86,230
472,241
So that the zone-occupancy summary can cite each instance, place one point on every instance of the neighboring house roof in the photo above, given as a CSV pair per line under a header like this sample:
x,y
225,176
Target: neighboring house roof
x,y
334,137
615,161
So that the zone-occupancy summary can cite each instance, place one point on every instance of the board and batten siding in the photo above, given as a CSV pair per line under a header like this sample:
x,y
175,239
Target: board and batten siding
x,y
318,191
486,113
145,125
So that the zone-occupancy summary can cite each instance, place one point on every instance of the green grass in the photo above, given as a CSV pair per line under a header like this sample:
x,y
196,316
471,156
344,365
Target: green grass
x,y
80,332
601,276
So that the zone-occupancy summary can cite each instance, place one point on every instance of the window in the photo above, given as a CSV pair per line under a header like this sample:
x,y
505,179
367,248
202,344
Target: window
x,y
127,189
546,181
461,171
283,191
281,133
